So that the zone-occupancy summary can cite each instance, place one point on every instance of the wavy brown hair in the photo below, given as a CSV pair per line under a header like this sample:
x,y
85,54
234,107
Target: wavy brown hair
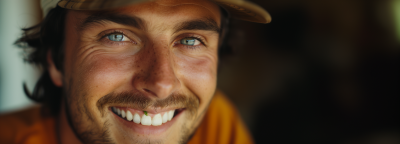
x,y
36,42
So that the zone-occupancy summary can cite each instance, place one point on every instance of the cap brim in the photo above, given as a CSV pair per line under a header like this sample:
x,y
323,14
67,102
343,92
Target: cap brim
x,y
245,10
239,9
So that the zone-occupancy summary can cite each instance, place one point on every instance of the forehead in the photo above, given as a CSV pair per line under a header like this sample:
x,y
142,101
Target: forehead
x,y
166,12
171,7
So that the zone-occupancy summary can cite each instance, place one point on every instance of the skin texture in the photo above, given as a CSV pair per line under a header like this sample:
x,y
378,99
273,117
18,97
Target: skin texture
x,y
151,67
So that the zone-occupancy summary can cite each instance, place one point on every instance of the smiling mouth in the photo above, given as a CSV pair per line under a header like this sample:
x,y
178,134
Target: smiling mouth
x,y
139,117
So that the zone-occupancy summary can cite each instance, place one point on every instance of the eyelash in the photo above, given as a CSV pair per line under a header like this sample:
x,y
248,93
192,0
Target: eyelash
x,y
200,39
104,35
197,38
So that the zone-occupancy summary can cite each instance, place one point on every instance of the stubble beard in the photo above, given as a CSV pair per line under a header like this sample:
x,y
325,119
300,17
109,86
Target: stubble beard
x,y
89,133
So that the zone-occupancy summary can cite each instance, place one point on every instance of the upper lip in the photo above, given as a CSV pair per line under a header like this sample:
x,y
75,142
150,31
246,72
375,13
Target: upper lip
x,y
151,110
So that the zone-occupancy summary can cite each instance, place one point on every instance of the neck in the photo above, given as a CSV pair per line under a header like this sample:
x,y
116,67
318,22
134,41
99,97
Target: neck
x,y
65,133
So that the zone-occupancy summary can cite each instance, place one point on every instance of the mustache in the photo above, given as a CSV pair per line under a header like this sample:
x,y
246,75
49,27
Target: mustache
x,y
140,101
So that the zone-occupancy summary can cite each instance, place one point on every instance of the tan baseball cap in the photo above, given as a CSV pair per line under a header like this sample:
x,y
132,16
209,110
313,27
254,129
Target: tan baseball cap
x,y
240,9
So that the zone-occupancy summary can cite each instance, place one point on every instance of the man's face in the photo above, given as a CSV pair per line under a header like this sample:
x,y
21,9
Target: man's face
x,y
157,57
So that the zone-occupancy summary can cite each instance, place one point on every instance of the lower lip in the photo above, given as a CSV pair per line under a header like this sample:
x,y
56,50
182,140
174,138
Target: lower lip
x,y
147,130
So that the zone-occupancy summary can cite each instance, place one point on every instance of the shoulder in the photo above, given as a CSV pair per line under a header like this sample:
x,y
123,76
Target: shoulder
x,y
23,117
20,125
221,124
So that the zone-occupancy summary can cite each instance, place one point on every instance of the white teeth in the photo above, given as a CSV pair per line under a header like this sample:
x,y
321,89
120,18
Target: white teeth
x,y
146,120
129,116
170,114
157,120
123,114
165,117
136,118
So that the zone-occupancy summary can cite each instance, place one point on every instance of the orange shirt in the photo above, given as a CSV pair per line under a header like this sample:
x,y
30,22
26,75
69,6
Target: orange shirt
x,y
221,125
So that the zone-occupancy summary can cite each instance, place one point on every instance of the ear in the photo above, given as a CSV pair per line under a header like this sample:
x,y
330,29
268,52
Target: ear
x,y
55,74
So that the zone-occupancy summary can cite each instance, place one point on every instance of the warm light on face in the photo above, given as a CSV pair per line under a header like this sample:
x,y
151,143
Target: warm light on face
x,y
144,73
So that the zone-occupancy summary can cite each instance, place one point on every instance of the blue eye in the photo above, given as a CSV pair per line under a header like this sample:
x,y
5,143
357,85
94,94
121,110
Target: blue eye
x,y
116,37
190,41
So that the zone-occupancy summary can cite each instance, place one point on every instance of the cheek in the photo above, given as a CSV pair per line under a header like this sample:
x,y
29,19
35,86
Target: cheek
x,y
102,74
199,75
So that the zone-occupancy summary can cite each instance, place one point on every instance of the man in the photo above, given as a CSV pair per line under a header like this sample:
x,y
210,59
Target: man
x,y
130,71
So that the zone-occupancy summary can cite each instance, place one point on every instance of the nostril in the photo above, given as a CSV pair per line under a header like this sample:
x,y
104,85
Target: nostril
x,y
146,90
149,91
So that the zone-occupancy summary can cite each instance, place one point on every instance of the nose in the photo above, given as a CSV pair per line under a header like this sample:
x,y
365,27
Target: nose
x,y
156,75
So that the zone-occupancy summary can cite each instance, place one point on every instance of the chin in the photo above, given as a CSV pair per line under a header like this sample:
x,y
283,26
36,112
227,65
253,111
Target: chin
x,y
126,125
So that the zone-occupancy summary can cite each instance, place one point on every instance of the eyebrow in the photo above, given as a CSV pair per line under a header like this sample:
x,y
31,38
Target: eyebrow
x,y
101,18
202,24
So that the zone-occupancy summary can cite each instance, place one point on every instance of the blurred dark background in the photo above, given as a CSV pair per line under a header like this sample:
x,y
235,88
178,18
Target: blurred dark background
x,y
322,71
